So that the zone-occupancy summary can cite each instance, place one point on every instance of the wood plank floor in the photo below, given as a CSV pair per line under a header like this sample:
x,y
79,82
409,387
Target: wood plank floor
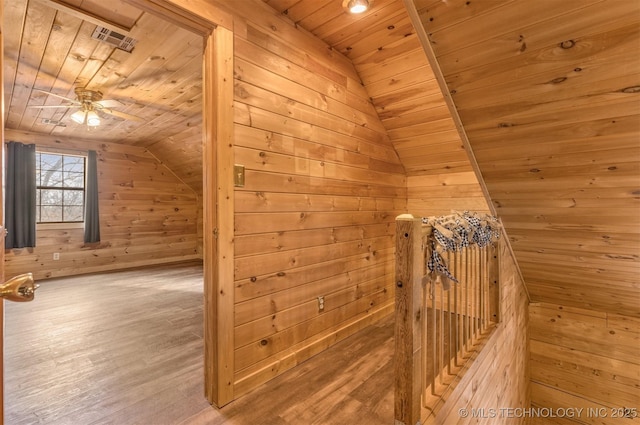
x,y
126,348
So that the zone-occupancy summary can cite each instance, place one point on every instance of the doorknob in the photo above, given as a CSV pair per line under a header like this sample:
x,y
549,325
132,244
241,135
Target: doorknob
x,y
20,288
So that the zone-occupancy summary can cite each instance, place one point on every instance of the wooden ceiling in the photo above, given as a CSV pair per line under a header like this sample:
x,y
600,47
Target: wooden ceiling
x,y
48,47
389,58
547,92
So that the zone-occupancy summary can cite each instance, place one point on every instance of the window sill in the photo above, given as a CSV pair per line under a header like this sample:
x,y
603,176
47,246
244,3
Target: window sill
x,y
59,226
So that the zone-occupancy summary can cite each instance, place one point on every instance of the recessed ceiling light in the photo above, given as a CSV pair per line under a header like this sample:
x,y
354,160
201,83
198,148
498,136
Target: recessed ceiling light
x,y
357,6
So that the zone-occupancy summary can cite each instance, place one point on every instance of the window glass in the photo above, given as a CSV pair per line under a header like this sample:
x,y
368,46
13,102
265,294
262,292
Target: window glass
x,y
60,183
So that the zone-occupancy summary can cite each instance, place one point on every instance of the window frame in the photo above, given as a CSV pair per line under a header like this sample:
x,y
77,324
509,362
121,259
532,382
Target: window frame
x,y
42,225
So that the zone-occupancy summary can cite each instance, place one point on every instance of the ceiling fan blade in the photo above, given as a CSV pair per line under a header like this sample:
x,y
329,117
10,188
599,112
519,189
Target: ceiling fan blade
x,y
110,103
75,102
122,115
52,106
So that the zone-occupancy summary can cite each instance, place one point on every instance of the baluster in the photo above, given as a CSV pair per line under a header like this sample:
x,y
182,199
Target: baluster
x,y
449,332
472,291
481,293
466,300
424,323
434,345
456,304
476,293
441,339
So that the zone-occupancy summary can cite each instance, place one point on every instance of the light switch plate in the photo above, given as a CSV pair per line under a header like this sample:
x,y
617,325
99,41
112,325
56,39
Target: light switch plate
x,y
238,175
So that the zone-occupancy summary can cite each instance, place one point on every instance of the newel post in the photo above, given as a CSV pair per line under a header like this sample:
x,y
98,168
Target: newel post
x,y
408,366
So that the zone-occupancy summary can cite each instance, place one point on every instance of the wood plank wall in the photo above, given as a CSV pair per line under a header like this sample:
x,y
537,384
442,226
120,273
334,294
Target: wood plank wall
x,y
584,359
499,375
542,89
323,187
147,216
439,194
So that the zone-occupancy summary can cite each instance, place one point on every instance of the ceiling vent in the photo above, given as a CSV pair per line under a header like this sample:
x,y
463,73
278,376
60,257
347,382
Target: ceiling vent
x,y
115,39
53,122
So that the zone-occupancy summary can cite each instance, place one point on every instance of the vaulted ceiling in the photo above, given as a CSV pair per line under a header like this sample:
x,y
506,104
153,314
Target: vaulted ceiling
x,y
49,48
545,94
548,93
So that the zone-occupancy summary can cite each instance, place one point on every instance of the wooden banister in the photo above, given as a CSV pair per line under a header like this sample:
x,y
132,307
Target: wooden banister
x,y
437,326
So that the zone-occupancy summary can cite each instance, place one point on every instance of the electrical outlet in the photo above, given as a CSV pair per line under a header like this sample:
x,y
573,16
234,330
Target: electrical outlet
x,y
56,256
320,303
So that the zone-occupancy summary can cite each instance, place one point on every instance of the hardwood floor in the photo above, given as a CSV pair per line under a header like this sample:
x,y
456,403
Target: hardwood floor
x,y
126,348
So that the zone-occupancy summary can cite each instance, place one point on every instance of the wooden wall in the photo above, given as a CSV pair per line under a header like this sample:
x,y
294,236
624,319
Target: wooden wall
x,y
147,216
499,376
439,194
584,359
545,92
323,187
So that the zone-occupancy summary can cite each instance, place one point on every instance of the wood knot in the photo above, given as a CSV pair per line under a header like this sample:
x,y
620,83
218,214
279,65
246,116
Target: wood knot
x,y
558,80
264,342
632,89
567,44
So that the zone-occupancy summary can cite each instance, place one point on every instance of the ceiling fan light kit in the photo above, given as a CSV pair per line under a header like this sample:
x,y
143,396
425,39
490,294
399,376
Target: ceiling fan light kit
x,y
93,120
79,117
90,118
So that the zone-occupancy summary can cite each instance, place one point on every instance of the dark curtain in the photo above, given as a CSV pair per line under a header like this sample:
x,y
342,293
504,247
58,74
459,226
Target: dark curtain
x,y
91,211
20,197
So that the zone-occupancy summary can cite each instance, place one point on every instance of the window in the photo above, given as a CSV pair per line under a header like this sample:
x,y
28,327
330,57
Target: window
x,y
60,184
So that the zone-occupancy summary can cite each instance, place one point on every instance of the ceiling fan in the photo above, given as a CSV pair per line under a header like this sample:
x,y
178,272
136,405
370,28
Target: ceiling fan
x,y
89,103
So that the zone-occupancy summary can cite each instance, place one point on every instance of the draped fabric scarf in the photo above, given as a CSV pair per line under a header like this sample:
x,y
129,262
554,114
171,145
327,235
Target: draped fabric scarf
x,y
457,231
